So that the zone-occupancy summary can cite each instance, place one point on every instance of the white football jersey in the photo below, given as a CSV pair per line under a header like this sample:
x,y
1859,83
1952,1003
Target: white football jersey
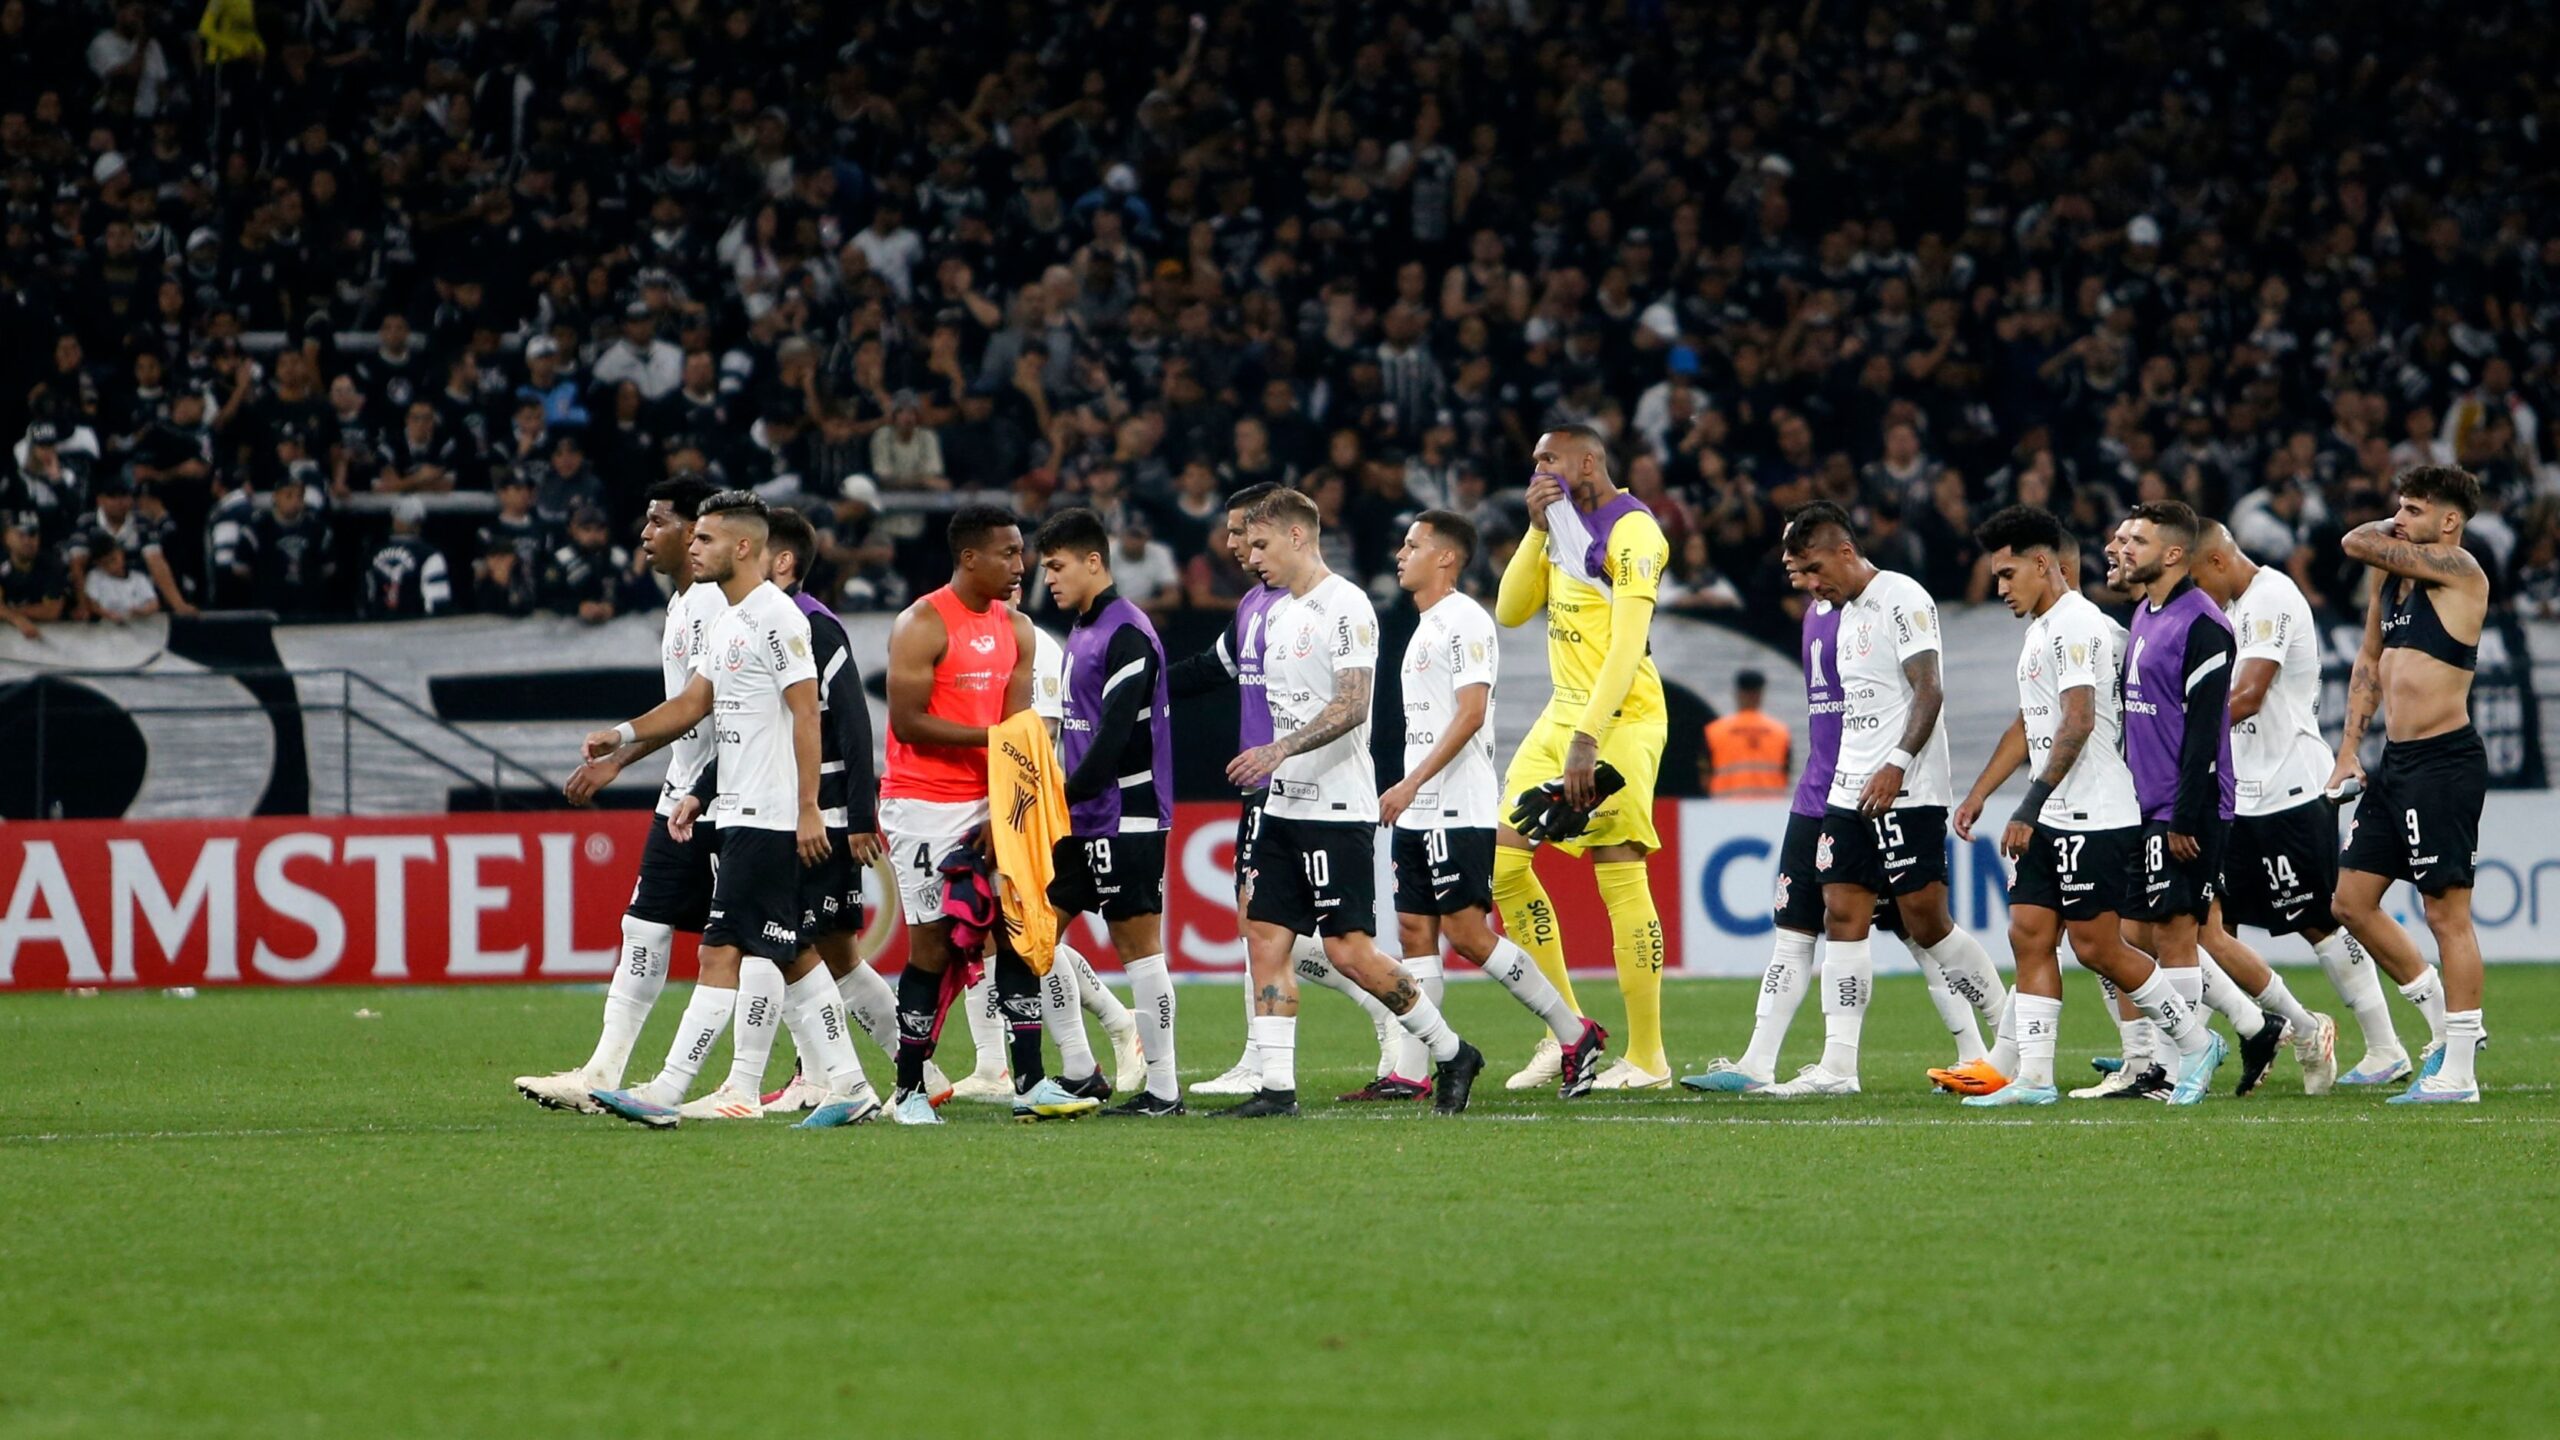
x,y
2278,755
1892,621
2073,646
1048,677
690,612
758,649
1454,647
1307,642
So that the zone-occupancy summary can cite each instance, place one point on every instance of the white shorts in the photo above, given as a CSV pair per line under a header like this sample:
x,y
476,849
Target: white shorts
x,y
919,833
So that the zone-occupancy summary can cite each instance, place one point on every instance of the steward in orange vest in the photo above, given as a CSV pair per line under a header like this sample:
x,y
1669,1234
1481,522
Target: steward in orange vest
x,y
1748,753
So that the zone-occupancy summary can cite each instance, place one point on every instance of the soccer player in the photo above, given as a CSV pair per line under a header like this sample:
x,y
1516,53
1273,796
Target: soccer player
x,y
1116,741
2177,687
1796,908
1442,812
2282,862
756,681
2072,837
2419,819
1593,562
674,889
959,662
1236,660
1885,818
1314,863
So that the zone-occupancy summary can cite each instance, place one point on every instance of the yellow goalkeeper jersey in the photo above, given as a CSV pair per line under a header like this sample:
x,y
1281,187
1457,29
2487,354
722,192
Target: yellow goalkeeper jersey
x,y
1632,556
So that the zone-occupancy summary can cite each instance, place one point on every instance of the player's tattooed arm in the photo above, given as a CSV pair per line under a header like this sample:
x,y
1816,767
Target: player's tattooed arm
x,y
2364,696
1348,710
2071,734
2379,545
1928,695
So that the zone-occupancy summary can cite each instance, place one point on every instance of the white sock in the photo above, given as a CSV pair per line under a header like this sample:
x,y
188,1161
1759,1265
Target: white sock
x,y
1308,956
1251,1059
986,1026
1848,983
1954,1011
1095,996
1152,983
2358,982
2278,1000
2188,981
1782,988
758,1016
637,980
1970,973
1424,1024
1062,1015
2180,1021
2223,995
2427,993
2463,1036
706,1014
1276,1038
1518,972
2004,1042
2143,1042
1412,1057
871,1003
829,1034
2039,1022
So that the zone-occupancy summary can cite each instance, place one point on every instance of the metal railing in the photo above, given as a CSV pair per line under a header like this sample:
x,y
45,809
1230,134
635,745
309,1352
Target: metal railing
x,y
360,705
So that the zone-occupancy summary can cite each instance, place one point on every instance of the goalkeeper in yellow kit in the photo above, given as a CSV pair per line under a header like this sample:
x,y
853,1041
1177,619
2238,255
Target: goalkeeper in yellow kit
x,y
1593,561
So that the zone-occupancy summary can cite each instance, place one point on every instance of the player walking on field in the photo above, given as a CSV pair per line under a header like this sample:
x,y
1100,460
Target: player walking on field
x,y
673,891
2419,819
1442,812
1314,865
1884,821
959,663
2073,837
1593,562
757,683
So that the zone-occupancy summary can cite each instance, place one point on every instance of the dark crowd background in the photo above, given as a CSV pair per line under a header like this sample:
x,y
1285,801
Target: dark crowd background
x,y
388,308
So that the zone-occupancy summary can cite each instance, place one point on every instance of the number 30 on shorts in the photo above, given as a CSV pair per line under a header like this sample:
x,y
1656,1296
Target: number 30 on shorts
x,y
1319,868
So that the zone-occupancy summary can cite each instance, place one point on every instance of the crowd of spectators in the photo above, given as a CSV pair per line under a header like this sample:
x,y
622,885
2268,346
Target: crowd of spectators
x,y
1918,258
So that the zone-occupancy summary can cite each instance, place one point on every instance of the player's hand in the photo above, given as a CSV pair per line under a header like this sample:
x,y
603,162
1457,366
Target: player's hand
x,y
680,824
1581,772
2184,847
2349,767
589,778
1966,814
2015,837
601,743
1882,789
863,846
1249,770
813,836
1545,489
1397,800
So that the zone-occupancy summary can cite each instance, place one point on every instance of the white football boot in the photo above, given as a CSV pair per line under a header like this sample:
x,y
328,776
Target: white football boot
x,y
567,1090
1545,1067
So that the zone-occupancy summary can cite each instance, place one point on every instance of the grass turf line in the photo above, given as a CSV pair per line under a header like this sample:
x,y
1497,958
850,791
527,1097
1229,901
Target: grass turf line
x,y
256,1214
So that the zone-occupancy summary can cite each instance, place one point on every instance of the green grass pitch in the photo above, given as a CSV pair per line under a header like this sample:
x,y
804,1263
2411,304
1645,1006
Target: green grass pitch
x,y
325,1213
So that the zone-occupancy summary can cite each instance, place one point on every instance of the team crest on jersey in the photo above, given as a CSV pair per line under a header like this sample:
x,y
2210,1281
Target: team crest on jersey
x,y
1421,661
1866,640
1304,645
737,656
1821,856
2035,664
983,644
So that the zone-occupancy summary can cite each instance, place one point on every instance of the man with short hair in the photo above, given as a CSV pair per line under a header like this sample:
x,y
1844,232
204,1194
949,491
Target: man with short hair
x,y
756,684
2419,819
1314,864
1443,811
1747,753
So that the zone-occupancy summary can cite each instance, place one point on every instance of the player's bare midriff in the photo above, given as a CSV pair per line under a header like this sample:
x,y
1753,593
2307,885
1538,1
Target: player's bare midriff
x,y
2423,697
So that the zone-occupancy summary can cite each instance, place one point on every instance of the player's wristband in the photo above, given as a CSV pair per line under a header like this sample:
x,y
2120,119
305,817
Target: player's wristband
x,y
628,734
1900,760
2033,806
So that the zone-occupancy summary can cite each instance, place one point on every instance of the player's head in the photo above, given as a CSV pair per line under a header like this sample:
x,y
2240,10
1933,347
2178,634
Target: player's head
x,y
1281,537
666,532
1437,546
790,547
1075,557
2436,501
2069,551
729,536
1821,546
2158,540
1239,510
1748,688
2220,570
986,551
2024,545
1579,459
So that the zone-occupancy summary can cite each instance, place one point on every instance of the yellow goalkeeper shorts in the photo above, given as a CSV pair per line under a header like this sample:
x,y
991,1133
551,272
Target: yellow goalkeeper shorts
x,y
1626,818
